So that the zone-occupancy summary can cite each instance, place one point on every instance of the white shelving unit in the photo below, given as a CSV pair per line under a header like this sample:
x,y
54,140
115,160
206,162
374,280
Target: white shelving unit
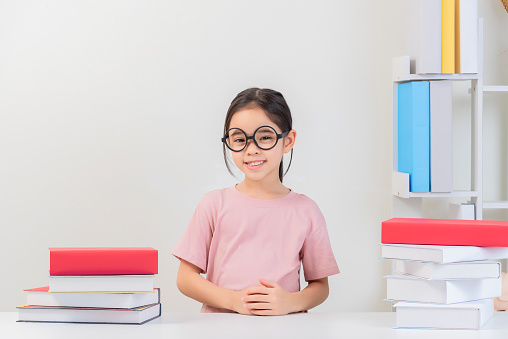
x,y
502,204
409,204
495,88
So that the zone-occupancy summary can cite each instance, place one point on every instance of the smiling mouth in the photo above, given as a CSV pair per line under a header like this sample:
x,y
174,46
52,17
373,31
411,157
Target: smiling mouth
x,y
255,163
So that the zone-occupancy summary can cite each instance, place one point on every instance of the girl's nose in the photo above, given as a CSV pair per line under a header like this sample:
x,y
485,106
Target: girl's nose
x,y
251,147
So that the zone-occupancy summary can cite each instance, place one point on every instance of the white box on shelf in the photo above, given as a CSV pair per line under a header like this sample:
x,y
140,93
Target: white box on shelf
x,y
462,211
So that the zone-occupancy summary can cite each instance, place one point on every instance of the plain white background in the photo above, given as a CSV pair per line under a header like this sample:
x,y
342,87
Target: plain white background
x,y
111,114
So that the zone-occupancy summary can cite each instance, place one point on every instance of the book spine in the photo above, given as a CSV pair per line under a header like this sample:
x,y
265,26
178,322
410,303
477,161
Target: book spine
x,y
423,38
466,28
466,315
101,284
103,262
430,52
445,232
433,271
442,291
405,129
441,141
448,37
414,134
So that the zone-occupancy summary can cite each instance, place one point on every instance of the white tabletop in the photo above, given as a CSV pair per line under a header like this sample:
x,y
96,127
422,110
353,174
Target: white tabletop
x,y
310,326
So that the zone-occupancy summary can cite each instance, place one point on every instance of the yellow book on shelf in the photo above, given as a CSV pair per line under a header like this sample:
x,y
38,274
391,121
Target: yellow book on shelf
x,y
457,36
448,37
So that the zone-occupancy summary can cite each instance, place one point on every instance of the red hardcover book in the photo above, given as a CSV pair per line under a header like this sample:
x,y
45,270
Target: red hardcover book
x,y
103,260
450,232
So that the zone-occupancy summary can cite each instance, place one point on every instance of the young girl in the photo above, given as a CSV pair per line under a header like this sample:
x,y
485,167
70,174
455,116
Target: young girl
x,y
251,239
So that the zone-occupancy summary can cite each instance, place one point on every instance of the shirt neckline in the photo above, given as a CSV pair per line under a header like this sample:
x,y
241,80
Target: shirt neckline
x,y
263,202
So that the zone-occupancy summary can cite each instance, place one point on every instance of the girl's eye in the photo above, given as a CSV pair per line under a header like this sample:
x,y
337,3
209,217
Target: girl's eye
x,y
239,140
266,137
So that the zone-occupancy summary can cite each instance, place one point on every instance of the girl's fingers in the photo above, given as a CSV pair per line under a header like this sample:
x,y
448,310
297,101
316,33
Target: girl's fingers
x,y
257,290
256,298
257,307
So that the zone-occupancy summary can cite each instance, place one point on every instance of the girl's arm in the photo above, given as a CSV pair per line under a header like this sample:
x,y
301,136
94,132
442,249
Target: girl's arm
x,y
190,282
271,299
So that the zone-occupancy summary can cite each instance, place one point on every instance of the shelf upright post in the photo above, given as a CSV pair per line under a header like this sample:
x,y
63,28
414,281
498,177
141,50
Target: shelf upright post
x,y
477,129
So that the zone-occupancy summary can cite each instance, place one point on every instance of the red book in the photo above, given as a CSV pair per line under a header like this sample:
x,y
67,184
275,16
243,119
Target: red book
x,y
102,260
451,232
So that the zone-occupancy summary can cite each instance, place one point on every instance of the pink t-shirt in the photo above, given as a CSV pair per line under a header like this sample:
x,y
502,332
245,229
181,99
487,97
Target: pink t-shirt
x,y
236,239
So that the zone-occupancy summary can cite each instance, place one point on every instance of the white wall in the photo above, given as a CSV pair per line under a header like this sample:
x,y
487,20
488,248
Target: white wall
x,y
97,100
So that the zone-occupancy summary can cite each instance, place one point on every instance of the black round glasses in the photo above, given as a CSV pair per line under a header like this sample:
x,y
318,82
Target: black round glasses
x,y
265,138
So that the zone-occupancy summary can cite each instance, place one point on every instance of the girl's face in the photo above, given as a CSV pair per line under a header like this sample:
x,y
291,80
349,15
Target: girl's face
x,y
257,164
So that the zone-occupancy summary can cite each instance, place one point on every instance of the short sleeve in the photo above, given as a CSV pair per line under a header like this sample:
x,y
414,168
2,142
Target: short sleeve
x,y
194,245
317,256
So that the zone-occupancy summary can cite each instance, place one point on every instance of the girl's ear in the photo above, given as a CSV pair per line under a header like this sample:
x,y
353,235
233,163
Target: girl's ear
x,y
289,141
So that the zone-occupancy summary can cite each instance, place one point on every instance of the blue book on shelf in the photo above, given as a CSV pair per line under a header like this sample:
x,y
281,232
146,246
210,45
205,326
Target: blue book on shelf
x,y
414,134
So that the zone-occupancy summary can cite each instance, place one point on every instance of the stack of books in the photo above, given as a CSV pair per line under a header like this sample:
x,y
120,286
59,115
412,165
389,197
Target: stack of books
x,y
444,273
97,285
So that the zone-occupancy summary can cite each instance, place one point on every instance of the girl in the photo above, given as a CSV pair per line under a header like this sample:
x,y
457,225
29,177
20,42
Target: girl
x,y
251,239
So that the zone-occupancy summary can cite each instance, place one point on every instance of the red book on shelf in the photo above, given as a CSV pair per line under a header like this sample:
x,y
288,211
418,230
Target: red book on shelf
x,y
103,260
450,232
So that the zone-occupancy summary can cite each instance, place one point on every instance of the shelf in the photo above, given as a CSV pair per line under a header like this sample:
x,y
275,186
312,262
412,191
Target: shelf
x,y
495,88
495,205
454,194
400,188
401,73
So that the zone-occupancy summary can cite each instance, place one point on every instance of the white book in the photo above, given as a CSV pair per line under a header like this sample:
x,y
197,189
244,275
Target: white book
x,y
100,283
467,315
441,141
88,315
442,254
459,270
423,35
41,297
406,288
462,211
466,53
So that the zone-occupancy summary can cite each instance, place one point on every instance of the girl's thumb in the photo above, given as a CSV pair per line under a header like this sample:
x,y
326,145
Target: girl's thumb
x,y
267,283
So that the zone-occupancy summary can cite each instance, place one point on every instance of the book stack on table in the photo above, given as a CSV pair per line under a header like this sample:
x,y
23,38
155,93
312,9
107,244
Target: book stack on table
x,y
444,273
97,285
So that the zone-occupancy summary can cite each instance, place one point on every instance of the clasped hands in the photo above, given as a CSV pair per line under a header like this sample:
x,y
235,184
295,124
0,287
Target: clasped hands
x,y
267,299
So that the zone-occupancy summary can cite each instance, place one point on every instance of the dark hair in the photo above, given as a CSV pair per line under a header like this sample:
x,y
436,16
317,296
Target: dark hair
x,y
275,107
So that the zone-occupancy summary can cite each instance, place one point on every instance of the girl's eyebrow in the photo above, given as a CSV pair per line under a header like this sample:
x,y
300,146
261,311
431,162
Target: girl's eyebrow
x,y
266,129
236,132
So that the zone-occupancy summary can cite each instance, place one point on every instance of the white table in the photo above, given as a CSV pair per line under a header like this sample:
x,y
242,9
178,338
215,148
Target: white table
x,y
372,325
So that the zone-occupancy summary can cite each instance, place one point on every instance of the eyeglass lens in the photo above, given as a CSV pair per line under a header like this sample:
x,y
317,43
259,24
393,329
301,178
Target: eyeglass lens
x,y
264,137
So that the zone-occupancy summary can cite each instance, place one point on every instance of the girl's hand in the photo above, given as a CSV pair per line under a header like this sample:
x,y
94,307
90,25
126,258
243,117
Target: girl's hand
x,y
238,301
268,299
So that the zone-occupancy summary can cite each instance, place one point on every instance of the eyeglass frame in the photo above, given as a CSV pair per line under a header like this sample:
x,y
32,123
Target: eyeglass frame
x,y
247,138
